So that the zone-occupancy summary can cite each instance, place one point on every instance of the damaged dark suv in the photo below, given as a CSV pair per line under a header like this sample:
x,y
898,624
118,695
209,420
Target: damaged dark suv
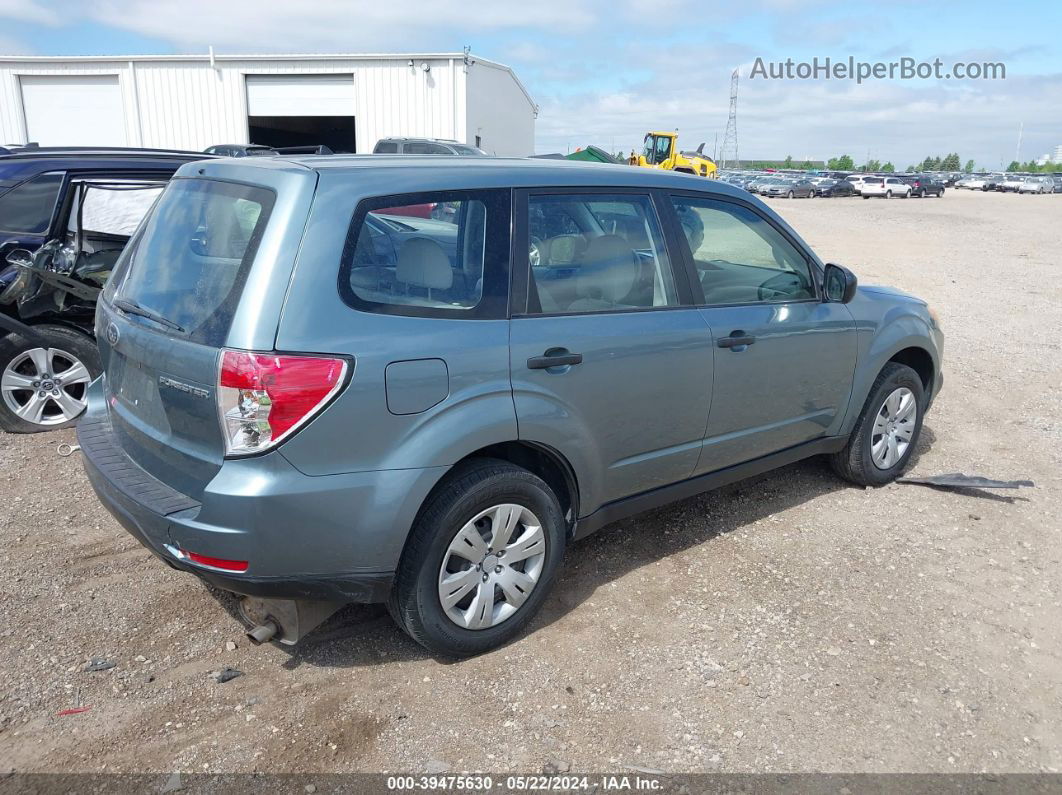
x,y
65,216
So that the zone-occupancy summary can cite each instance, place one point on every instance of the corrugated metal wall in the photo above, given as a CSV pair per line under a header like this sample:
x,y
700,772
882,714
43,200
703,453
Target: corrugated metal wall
x,y
189,105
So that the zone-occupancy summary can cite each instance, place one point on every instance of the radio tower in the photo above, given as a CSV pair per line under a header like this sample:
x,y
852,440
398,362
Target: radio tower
x,y
728,155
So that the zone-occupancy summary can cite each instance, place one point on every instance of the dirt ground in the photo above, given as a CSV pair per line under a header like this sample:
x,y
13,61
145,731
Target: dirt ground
x,y
790,623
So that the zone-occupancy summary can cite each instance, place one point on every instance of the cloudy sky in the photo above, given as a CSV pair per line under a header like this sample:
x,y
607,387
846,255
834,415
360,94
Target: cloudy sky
x,y
605,71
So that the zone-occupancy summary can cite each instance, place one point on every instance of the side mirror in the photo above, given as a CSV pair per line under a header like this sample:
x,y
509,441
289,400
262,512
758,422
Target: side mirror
x,y
839,283
20,257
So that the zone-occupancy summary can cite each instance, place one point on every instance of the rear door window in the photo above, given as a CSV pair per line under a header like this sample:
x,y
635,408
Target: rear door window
x,y
188,265
597,253
386,148
437,254
28,208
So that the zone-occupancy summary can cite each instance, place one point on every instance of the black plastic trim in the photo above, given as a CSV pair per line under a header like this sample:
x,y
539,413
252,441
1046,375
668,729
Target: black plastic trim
x,y
99,446
361,587
665,495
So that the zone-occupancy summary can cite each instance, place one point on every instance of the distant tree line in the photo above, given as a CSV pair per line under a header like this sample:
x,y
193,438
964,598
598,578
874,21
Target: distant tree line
x,y
1031,167
949,162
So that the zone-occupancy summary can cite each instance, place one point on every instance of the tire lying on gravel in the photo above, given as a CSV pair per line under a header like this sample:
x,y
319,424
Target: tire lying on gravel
x,y
480,559
44,381
887,431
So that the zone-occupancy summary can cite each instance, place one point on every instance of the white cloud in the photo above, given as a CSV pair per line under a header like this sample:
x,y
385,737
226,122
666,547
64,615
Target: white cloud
x,y
28,11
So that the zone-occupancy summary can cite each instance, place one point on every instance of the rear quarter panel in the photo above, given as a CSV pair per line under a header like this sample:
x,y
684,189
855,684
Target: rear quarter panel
x,y
360,431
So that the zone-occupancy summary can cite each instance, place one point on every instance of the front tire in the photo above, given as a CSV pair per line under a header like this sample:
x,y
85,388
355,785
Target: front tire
x,y
44,382
887,431
454,593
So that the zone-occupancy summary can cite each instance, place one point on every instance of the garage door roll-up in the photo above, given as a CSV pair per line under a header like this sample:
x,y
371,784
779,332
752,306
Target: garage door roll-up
x,y
300,95
75,110
301,110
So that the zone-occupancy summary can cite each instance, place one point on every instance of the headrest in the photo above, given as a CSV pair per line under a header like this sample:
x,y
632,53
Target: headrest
x,y
423,263
609,269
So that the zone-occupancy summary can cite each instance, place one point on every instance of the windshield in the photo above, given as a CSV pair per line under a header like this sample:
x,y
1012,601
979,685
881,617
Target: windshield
x,y
657,148
190,261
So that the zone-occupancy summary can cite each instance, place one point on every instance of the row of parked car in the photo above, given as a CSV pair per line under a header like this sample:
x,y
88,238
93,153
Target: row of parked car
x,y
887,186
1012,183
826,185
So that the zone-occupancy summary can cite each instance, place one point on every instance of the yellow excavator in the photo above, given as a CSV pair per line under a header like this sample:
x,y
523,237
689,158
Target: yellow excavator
x,y
661,151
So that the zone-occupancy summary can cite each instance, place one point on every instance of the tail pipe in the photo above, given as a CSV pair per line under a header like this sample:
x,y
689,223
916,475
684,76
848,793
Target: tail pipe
x,y
262,633
283,620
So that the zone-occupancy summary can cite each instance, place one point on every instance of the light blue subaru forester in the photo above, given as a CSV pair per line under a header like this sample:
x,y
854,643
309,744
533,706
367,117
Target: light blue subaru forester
x,y
371,379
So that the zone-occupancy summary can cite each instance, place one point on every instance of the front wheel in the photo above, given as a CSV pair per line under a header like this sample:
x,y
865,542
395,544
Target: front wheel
x,y
886,433
480,559
789,195
44,381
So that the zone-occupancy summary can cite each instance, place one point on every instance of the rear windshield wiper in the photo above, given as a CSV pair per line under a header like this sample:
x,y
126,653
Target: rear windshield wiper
x,y
133,308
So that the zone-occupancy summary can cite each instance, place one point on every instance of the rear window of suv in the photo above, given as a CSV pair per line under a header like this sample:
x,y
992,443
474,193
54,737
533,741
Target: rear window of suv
x,y
190,260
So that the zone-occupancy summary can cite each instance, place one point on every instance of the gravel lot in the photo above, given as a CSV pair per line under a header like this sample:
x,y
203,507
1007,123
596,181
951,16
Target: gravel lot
x,y
790,623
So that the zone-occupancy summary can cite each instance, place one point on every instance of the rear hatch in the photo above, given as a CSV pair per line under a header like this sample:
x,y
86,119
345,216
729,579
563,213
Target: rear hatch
x,y
179,296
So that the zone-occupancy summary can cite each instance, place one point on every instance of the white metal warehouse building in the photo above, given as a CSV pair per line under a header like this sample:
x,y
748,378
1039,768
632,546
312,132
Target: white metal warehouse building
x,y
194,101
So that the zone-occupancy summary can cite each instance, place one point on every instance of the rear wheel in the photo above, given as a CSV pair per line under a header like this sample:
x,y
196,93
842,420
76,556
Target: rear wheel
x,y
480,560
888,194
44,382
886,433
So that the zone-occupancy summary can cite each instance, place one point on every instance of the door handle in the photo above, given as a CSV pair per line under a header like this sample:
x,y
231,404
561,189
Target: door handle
x,y
736,340
555,357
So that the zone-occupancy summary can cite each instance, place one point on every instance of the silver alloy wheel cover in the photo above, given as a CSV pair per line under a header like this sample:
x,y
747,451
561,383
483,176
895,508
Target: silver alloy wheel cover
x,y
894,426
29,402
509,559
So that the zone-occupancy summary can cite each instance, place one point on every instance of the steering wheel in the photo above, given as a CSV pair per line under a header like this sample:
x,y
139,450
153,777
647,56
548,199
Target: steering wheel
x,y
784,285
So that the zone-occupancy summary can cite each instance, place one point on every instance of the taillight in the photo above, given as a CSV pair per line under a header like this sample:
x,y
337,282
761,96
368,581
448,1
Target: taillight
x,y
264,397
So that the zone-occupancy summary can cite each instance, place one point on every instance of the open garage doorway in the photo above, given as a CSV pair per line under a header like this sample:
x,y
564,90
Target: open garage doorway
x,y
302,110
335,132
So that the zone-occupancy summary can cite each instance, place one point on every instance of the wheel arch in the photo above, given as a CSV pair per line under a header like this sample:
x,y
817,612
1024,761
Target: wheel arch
x,y
540,459
904,338
920,360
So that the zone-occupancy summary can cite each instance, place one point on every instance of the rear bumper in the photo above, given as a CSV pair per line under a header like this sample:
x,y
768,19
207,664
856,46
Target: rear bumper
x,y
336,538
152,530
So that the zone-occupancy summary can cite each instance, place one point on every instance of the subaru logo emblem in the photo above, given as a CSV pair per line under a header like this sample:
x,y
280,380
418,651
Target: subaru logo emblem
x,y
112,334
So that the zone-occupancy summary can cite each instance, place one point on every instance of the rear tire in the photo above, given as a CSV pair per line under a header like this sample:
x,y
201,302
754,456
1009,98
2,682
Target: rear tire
x,y
61,351
859,462
443,535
